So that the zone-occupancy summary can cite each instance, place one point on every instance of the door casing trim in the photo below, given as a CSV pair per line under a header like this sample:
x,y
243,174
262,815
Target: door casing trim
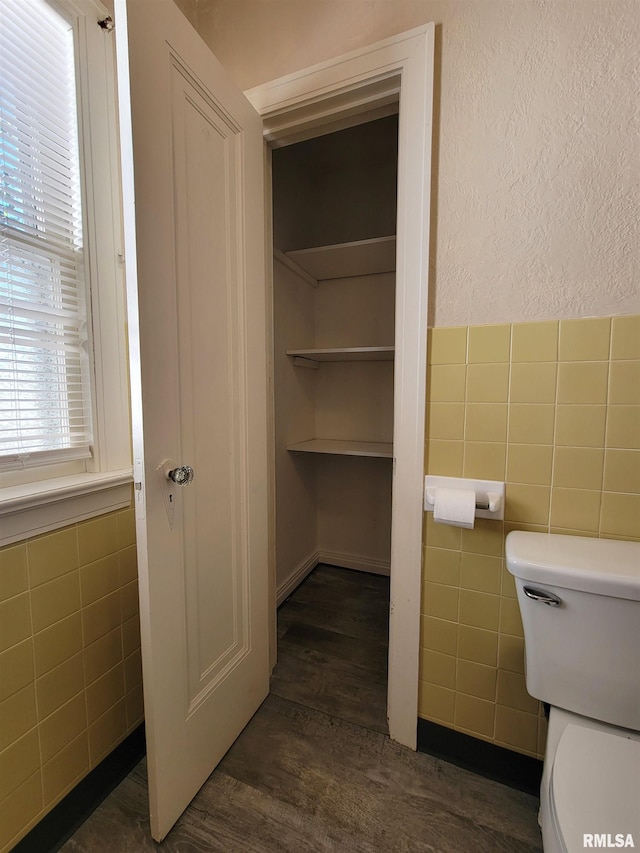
x,y
328,96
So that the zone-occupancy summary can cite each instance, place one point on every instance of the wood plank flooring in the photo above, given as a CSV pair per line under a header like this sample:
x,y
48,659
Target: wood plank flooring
x,y
314,770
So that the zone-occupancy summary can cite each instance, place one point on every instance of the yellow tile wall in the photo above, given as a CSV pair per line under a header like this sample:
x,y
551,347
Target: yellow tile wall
x,y
552,408
70,671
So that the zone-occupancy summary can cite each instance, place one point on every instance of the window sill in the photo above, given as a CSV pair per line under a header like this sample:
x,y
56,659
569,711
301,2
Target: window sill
x,y
36,508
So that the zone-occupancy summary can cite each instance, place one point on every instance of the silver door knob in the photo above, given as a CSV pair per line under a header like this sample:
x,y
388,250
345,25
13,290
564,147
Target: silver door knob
x,y
182,475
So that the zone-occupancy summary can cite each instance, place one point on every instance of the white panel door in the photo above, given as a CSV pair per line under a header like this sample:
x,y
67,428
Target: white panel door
x,y
194,221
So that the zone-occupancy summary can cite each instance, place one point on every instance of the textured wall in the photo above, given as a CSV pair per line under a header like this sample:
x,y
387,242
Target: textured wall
x,y
535,167
537,216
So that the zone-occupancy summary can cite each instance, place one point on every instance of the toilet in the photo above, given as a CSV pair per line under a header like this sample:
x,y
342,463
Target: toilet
x,y
580,605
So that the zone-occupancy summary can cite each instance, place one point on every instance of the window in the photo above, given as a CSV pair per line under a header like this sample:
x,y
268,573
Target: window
x,y
64,421
45,396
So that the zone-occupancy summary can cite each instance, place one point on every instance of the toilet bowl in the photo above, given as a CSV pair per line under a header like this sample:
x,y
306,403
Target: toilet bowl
x,y
580,605
590,785
594,790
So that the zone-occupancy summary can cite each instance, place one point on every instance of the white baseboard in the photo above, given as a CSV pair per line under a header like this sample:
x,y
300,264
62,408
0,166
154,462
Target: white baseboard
x,y
360,564
332,558
296,577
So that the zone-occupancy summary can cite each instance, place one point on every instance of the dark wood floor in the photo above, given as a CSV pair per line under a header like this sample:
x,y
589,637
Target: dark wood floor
x,y
314,770
333,642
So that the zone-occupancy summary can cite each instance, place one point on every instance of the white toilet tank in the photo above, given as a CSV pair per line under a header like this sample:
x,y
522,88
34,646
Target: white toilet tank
x,y
580,605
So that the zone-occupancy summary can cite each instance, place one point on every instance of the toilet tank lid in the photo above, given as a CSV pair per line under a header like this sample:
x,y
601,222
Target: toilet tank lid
x,y
600,566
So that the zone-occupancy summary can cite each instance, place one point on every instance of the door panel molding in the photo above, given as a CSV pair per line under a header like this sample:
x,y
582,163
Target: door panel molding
x,y
204,145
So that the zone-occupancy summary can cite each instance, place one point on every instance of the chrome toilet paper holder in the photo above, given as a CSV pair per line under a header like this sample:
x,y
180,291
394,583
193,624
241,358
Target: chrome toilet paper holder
x,y
489,494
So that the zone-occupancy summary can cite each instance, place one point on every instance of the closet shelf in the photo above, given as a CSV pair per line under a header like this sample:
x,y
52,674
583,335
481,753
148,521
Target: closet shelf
x,y
377,449
345,354
344,260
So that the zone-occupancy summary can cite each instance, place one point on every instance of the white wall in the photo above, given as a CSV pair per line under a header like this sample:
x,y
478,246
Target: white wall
x,y
535,202
295,406
189,9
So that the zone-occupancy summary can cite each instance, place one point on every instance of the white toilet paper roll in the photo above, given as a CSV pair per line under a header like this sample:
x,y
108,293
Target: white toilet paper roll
x,y
455,506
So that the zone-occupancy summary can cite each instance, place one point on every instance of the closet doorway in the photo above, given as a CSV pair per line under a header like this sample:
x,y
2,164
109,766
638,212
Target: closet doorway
x,y
334,225
335,95
334,249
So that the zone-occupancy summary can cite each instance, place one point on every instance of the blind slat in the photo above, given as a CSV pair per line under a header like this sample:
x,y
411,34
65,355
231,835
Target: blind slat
x,y
22,319
20,250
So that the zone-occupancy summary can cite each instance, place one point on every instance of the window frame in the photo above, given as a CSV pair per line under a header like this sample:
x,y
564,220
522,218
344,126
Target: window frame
x,y
41,498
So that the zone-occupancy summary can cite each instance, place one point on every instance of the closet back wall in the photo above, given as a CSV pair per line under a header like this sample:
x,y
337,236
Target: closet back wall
x,y
336,188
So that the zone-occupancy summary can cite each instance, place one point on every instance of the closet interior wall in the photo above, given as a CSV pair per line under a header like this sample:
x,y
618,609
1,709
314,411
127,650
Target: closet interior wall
x,y
328,191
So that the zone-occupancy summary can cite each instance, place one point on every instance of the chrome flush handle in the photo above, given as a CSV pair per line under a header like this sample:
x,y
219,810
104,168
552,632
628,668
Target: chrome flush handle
x,y
543,596
182,475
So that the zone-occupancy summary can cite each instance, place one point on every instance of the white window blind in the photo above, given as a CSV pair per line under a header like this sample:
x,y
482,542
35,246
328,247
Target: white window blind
x,y
45,412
